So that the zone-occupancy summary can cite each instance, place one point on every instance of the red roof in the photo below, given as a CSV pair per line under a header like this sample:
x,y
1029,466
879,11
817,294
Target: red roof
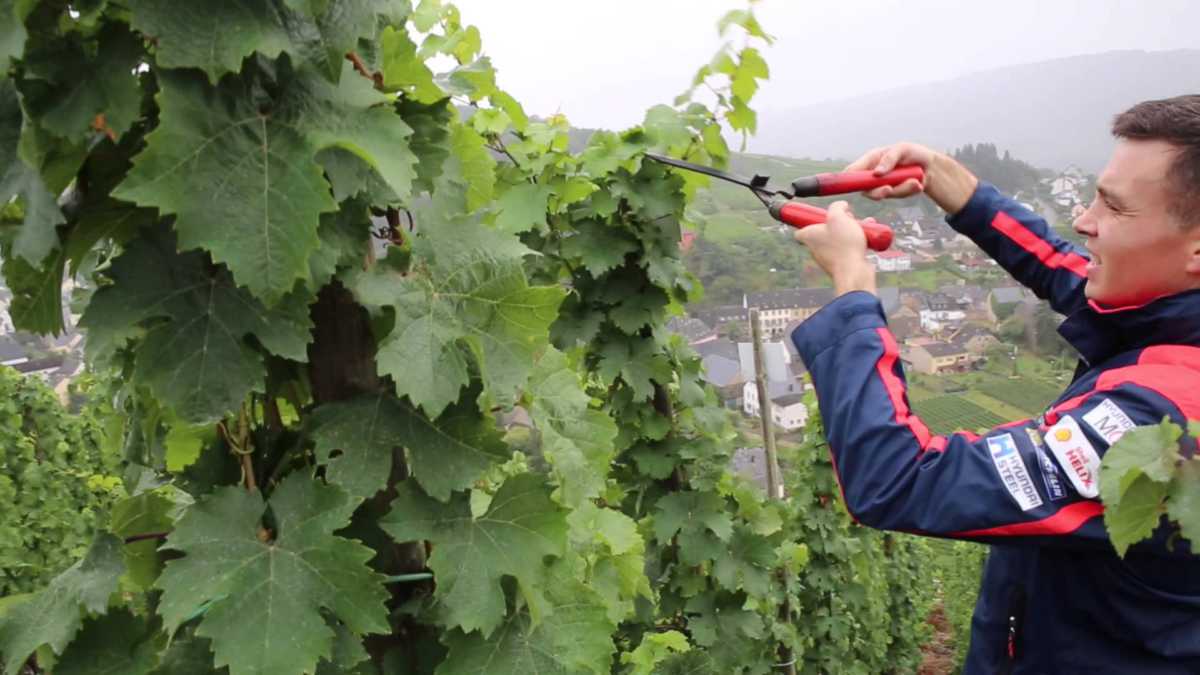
x,y
892,254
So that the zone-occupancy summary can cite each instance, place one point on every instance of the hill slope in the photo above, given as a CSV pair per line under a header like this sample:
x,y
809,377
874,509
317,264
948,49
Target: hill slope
x,y
1050,113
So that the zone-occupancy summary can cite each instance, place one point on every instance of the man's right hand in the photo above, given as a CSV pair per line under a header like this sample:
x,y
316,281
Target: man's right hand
x,y
948,183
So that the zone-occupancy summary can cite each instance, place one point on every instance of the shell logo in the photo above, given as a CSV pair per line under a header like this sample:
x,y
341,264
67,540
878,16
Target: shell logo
x,y
1062,434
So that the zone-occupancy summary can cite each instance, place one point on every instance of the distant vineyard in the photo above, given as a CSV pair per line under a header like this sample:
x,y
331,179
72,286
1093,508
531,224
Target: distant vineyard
x,y
946,414
1028,395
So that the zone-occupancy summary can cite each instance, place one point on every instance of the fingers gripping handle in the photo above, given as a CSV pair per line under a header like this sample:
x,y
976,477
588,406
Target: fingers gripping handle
x,y
845,182
798,215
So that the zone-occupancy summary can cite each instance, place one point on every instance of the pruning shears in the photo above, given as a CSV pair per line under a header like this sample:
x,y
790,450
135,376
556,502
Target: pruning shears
x,y
798,214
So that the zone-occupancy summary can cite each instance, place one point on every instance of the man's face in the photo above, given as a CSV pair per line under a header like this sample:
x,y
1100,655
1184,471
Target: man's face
x,y
1138,250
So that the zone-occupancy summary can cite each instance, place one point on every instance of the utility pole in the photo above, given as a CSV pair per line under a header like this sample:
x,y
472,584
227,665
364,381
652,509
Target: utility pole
x,y
774,481
774,484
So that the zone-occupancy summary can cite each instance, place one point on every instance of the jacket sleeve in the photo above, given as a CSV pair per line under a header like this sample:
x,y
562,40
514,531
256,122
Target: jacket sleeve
x,y
1023,244
1020,482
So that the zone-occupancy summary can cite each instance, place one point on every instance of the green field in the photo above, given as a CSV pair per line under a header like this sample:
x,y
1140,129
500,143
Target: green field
x,y
947,414
1026,394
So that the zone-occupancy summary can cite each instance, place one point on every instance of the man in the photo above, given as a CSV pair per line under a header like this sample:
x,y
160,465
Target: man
x,y
1055,596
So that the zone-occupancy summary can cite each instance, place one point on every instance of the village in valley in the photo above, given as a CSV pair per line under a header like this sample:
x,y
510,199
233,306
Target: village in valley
x,y
977,349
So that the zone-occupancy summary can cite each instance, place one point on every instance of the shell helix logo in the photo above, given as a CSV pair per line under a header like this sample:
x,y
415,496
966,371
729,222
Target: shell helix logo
x,y
1063,435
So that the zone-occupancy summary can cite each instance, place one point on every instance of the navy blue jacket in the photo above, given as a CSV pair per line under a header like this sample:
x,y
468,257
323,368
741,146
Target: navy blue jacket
x,y
1055,597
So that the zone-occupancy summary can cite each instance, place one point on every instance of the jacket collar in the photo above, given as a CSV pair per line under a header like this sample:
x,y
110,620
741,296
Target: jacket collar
x,y
1099,333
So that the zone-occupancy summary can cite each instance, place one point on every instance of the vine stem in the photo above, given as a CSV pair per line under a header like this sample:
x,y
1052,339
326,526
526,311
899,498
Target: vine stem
x,y
146,537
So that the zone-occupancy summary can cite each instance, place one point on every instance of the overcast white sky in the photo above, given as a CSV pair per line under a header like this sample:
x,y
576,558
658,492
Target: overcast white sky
x,y
604,62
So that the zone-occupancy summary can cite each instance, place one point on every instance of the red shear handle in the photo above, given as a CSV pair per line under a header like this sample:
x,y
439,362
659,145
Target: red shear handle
x,y
824,184
798,215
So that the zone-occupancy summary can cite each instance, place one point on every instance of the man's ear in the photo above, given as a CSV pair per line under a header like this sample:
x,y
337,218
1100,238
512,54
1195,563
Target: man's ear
x,y
1192,267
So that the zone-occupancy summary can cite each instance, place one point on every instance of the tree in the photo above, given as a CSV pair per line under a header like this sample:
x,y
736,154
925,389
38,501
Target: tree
x,y
58,473
395,387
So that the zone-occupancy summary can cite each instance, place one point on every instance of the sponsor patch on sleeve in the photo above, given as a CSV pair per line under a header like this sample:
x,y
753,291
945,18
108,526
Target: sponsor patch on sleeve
x,y
1108,420
1013,472
1075,455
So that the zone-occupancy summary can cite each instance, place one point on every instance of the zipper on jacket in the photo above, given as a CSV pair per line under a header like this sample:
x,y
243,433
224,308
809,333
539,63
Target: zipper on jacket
x,y
1012,646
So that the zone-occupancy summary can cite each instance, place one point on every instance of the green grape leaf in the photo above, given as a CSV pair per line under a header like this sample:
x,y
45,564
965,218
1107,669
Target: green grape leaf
x,y
576,439
267,589
523,207
183,444
570,191
448,454
429,142
197,362
188,655
745,563
1183,501
512,108
475,80
601,247
751,68
118,643
348,652
198,35
638,309
1137,515
638,362
20,177
698,519
653,650
403,70
742,117
12,31
37,294
476,162
471,293
666,128
243,182
746,19
577,641
520,528
52,615
355,117
606,152
147,513
1149,450
318,31
71,92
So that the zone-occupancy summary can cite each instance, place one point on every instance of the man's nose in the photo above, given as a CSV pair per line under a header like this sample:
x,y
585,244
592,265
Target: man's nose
x,y
1084,224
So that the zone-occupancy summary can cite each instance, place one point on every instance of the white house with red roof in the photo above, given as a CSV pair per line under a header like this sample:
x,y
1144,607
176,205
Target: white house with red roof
x,y
891,261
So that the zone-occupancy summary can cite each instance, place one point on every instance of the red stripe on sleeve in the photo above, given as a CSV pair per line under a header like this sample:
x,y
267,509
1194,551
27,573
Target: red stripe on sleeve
x,y
895,391
1025,238
1068,519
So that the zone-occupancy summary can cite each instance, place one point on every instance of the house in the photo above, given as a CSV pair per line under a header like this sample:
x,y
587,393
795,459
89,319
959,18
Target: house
x,y
777,309
788,411
42,368
722,370
911,215
937,357
1002,302
719,315
939,311
11,353
975,339
891,260
693,331
904,323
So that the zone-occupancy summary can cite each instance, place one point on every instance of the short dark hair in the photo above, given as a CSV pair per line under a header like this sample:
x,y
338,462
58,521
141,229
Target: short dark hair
x,y
1176,121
